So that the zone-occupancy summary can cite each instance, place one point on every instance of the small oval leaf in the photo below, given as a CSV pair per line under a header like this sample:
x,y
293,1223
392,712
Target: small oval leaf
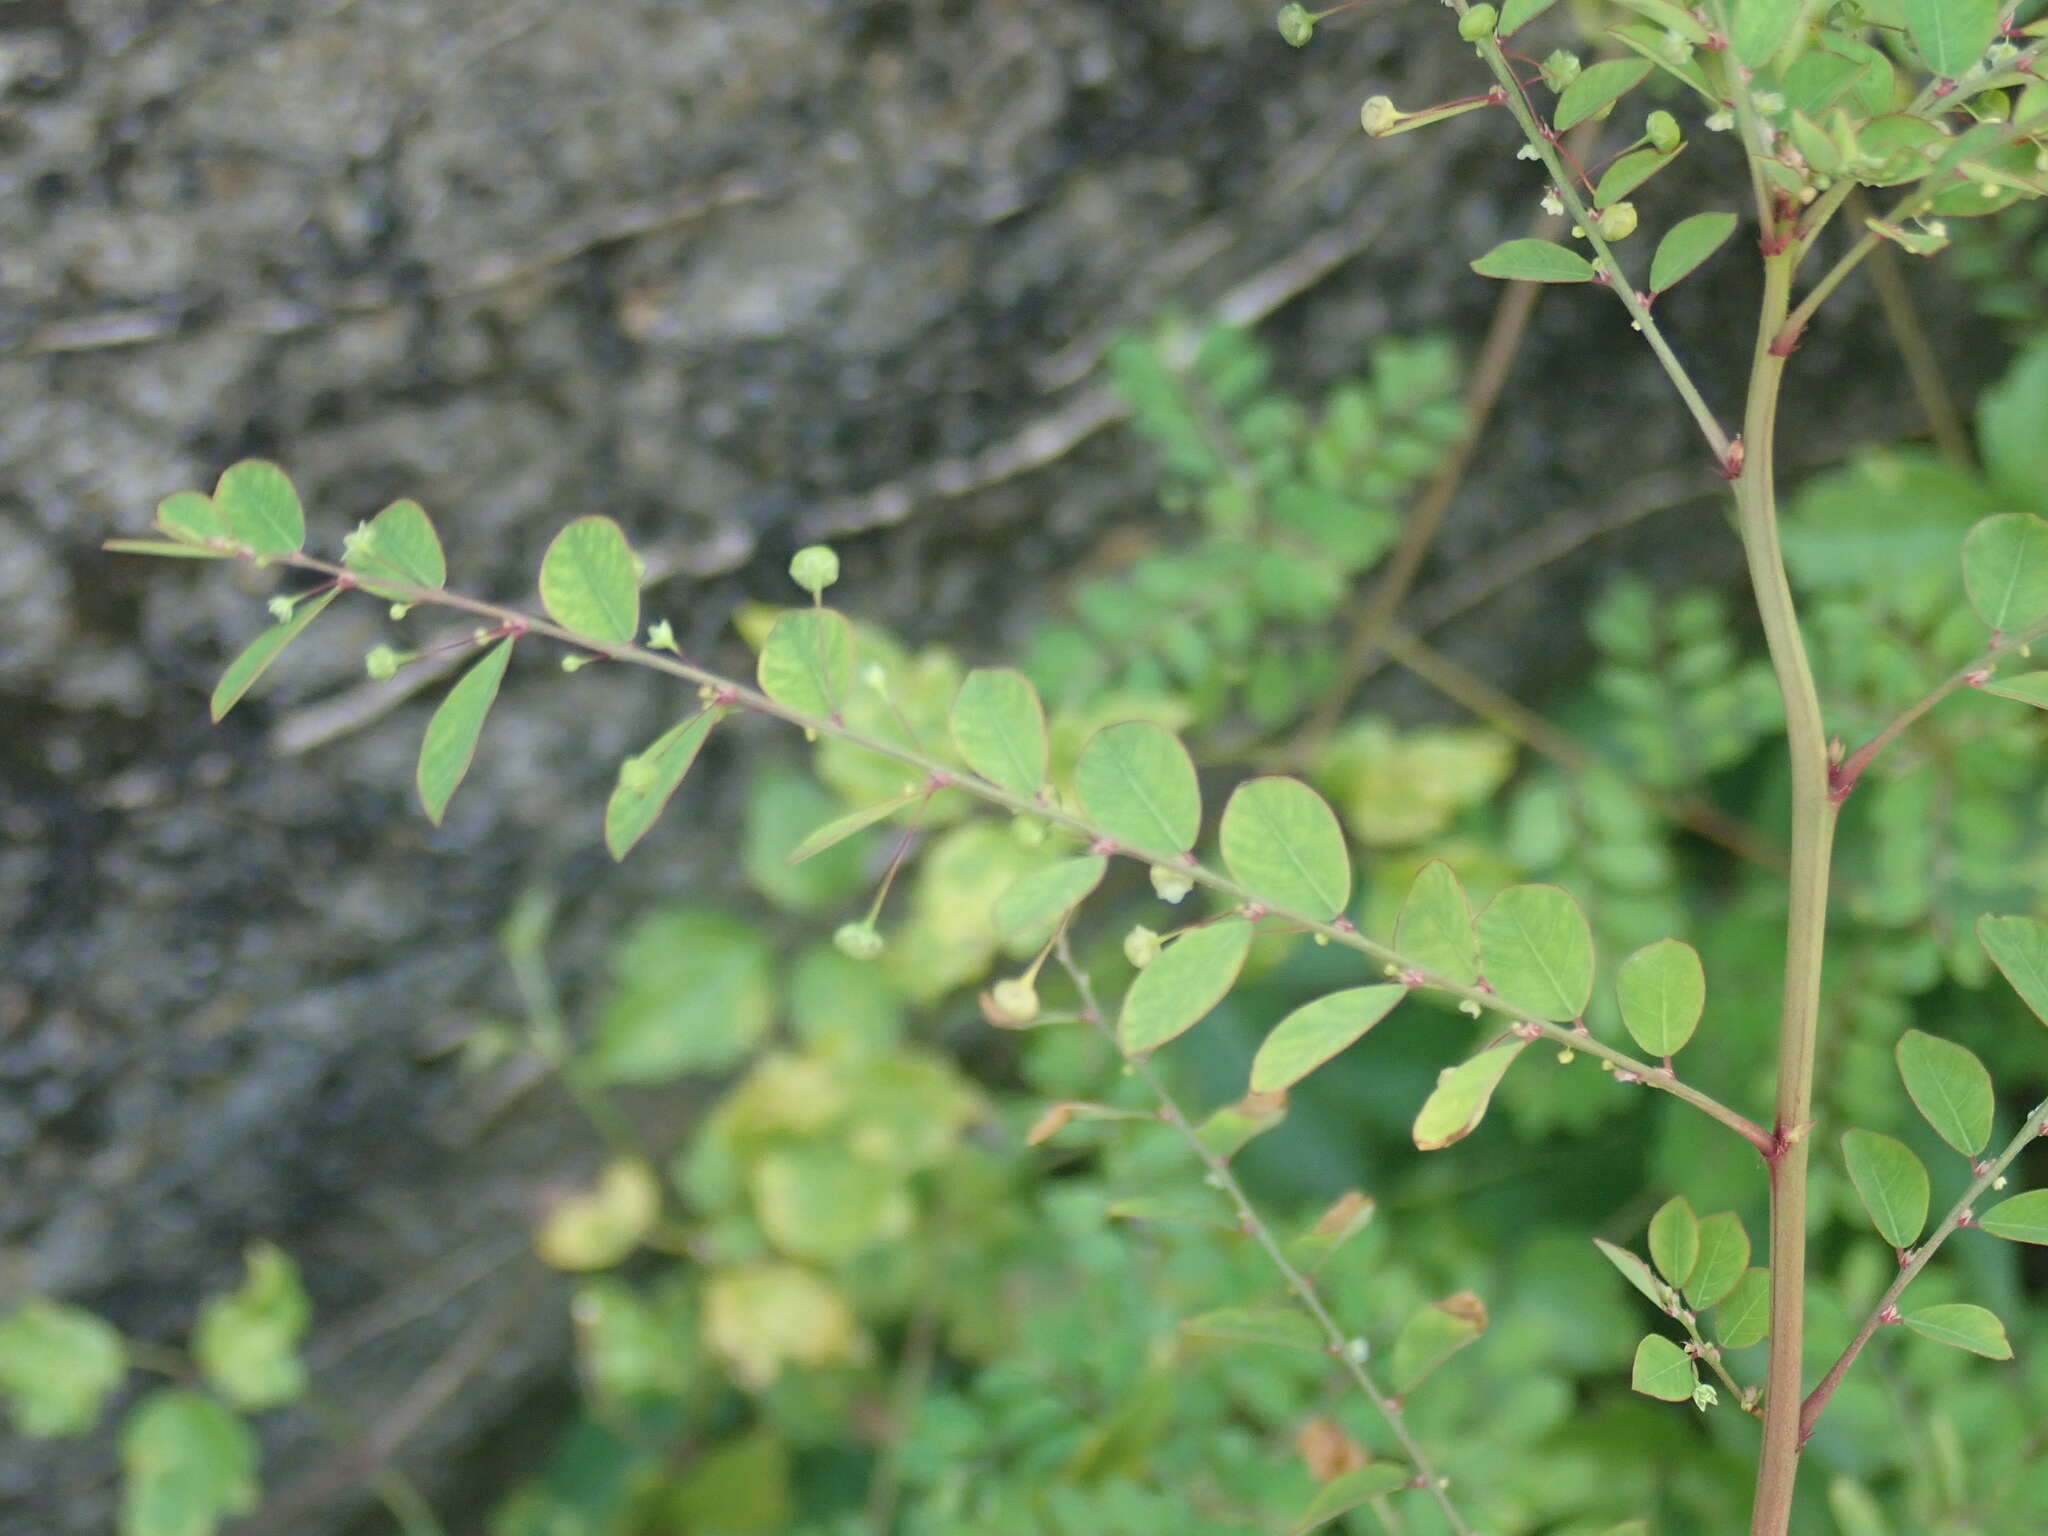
x,y
1434,930
191,518
590,581
2022,1219
840,828
1430,1336
1598,87
1759,28
1537,951
243,671
2005,570
1174,992
999,726
1724,1255
1638,1274
1951,35
648,780
1282,1326
450,742
1744,1316
1458,1103
1675,1241
1281,842
1950,1088
398,544
1662,1370
1891,1183
1686,245
1960,1325
260,509
1361,1485
1534,261
1029,911
806,663
2027,687
1663,991
1138,784
1314,1032
2018,946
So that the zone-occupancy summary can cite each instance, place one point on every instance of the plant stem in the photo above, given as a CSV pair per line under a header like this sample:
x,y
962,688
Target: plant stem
x,y
1339,1343
1886,1309
1814,810
1337,930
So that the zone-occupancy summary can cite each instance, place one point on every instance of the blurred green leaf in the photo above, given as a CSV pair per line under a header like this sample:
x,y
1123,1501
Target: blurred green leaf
x,y
806,663
190,1464
999,726
1359,1486
2018,946
1287,1327
247,1340
692,991
1430,1336
2005,569
57,1365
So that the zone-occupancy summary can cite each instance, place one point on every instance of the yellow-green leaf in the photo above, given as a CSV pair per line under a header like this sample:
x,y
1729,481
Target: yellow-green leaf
x,y
1434,929
590,581
1537,951
1032,907
1361,1485
2027,687
1663,1370
1431,1335
398,544
1314,1032
806,663
1191,976
190,1465
243,671
2018,946
450,742
840,828
58,1363
1598,87
1686,245
1281,841
1458,1103
1952,35
191,518
2005,570
1663,991
648,780
1675,1241
246,1341
998,724
1724,1255
1137,783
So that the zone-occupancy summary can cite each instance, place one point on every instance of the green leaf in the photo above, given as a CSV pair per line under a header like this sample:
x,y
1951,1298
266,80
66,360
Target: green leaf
x,y
1724,1255
1598,87
259,508
1952,35
840,828
1856,1509
1431,1335
2022,1219
1744,1316
590,581
1229,1130
1891,1183
450,742
2009,416
1137,782
1434,929
163,548
1282,843
648,780
783,805
1675,1241
1029,911
999,727
1517,14
2005,569
190,1464
1535,261
1760,27
817,1204
2028,688
1663,991
247,1341
1174,992
1537,951
2018,946
1686,245
1458,1103
1950,1088
57,1365
1314,1032
1962,1326
1663,1370
1284,1326
190,518
1350,1214
806,662
243,671
1361,1485
398,544
1638,1274
693,990
1630,172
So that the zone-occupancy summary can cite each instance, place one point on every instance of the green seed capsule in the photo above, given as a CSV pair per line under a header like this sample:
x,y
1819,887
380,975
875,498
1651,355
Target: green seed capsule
x,y
1478,24
1663,132
1296,25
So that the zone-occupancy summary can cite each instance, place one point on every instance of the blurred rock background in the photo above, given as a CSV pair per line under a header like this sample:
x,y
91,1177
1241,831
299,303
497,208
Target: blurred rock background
x,y
741,274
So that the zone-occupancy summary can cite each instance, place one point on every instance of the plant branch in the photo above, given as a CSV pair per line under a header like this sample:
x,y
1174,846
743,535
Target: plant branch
x,y
1916,350
1886,1310
1339,930
1340,1344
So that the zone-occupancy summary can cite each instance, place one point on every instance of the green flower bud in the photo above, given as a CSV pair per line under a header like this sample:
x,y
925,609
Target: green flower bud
x,y
1027,831
1297,26
858,941
1170,885
399,611
1617,221
661,636
1378,116
1663,132
382,663
281,608
1478,24
814,568
1014,1001
1141,946
1560,68
357,543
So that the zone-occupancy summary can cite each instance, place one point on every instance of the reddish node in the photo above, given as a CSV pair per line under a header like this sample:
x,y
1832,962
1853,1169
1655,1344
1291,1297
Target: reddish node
x,y
1730,468
1254,910
1102,845
1343,924
726,695
940,779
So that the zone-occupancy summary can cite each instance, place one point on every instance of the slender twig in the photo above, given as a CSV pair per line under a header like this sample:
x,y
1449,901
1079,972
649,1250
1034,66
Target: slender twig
x,y
1341,1345
1887,1309
1916,349
1745,1397
1337,930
